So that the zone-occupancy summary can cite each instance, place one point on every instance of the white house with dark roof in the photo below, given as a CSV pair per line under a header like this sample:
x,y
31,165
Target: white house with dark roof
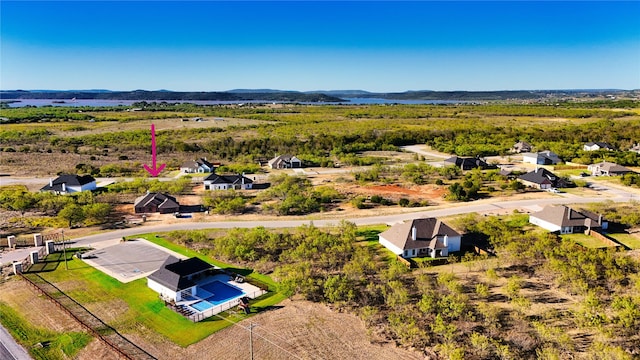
x,y
608,169
66,184
598,145
227,182
175,278
421,238
546,157
286,161
565,220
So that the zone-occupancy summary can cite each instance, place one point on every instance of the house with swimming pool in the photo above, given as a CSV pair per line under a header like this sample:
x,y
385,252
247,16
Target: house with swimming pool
x,y
198,289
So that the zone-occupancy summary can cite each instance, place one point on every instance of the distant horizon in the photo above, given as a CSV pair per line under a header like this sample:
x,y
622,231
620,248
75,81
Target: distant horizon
x,y
382,46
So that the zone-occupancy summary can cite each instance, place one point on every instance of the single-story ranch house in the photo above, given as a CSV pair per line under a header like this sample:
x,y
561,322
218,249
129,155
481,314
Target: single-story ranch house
x,y
608,169
468,163
156,202
595,146
227,182
197,166
541,179
420,238
66,184
566,220
198,290
546,157
520,147
286,161
174,280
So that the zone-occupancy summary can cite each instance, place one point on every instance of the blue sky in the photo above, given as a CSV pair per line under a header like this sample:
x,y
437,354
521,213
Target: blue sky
x,y
305,45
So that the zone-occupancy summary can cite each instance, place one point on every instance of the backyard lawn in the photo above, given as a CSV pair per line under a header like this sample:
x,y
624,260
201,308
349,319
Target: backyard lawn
x,y
628,240
585,240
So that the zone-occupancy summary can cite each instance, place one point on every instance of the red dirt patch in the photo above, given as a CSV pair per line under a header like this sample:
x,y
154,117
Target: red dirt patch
x,y
432,193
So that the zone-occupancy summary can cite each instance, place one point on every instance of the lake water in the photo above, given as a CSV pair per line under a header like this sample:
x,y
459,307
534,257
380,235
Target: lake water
x,y
98,102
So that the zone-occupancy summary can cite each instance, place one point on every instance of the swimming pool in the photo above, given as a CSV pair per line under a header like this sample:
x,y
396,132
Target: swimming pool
x,y
221,292
202,305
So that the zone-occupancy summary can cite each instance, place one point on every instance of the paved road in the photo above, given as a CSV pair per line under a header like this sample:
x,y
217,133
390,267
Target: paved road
x,y
9,348
481,206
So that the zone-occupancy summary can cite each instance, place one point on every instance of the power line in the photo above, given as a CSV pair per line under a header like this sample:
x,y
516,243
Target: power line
x,y
249,328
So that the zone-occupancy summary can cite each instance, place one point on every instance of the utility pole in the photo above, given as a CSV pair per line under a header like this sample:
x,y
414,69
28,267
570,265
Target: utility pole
x,y
251,325
64,252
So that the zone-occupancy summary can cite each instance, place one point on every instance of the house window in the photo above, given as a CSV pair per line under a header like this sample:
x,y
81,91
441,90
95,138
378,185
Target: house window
x,y
413,252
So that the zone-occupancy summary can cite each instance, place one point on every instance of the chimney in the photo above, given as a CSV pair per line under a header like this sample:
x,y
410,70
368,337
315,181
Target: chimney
x,y
50,182
64,187
568,213
414,233
446,240
600,219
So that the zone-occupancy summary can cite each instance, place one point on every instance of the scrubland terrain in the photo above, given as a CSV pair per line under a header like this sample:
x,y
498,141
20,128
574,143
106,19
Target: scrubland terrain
x,y
537,296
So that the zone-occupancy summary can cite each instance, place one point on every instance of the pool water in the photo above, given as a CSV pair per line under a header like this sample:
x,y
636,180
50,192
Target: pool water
x,y
202,305
221,292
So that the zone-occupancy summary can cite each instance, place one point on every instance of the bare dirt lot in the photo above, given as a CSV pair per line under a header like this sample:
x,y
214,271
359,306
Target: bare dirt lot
x,y
294,330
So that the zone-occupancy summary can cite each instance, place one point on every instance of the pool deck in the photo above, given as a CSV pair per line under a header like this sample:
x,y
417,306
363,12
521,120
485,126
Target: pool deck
x,y
250,291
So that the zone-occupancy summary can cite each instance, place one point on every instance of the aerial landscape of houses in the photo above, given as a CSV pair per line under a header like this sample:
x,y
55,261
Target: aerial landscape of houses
x,y
311,180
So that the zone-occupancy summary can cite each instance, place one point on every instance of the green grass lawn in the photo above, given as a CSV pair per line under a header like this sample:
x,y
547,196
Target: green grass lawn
x,y
144,309
630,241
60,345
585,240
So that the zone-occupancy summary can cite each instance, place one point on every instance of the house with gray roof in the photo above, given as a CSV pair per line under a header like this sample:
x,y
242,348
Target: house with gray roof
x,y
66,184
520,147
197,166
608,169
286,161
227,182
156,202
542,179
565,220
421,238
174,280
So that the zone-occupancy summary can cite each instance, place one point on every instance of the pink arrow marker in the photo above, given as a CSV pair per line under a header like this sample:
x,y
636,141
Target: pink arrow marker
x,y
155,170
